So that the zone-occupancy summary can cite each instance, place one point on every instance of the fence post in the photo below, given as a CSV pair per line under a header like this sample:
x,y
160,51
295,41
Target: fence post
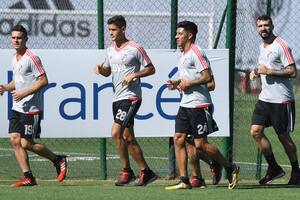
x,y
174,17
269,9
102,142
259,153
220,29
230,44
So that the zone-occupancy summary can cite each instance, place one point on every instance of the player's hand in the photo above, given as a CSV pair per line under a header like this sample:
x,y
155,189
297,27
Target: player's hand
x,y
96,69
262,69
172,85
18,95
128,79
184,85
2,90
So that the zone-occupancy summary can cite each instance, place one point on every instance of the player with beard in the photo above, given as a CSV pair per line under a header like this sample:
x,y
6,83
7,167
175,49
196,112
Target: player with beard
x,y
276,103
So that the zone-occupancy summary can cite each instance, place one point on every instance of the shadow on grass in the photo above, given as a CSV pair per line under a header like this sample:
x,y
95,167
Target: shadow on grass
x,y
257,186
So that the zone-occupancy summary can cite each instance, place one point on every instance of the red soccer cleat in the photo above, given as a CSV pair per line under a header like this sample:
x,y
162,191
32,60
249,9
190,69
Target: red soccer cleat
x,y
24,182
197,182
62,168
125,178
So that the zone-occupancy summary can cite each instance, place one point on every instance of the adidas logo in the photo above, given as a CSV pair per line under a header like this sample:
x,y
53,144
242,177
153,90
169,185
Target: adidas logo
x,y
51,23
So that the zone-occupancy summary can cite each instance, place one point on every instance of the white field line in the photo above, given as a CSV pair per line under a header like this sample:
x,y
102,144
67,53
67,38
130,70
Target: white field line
x,y
73,156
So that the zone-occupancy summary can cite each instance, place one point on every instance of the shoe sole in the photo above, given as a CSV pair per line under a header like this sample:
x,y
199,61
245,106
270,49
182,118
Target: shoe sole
x,y
235,179
276,177
13,186
177,188
200,187
124,184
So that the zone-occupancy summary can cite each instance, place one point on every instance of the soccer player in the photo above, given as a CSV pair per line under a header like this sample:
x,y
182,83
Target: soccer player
x,y
276,103
124,61
29,77
194,116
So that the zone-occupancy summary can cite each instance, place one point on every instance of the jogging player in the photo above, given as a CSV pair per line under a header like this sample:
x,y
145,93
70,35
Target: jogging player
x,y
276,103
29,77
124,61
194,116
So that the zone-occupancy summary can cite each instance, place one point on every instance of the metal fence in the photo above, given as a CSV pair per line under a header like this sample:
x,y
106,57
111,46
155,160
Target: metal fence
x,y
73,24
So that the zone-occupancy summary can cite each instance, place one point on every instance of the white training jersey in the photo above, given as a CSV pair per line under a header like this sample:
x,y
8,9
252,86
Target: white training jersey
x,y
25,72
276,55
190,66
124,61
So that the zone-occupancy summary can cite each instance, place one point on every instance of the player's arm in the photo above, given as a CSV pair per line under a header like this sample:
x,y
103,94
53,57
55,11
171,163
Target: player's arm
x,y
289,71
147,71
7,87
41,81
203,79
100,69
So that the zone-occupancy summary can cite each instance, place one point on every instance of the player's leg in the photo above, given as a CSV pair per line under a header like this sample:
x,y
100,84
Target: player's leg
x,y
261,118
214,153
127,174
125,112
202,125
291,151
196,180
59,161
146,176
23,161
120,143
120,109
134,148
283,125
215,167
274,170
33,123
181,158
211,150
17,132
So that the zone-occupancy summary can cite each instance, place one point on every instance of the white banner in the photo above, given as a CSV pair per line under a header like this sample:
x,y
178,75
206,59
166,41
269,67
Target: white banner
x,y
77,103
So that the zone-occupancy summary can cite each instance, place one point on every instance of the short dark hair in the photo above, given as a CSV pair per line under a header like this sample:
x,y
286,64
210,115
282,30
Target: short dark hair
x,y
20,28
190,27
264,18
117,20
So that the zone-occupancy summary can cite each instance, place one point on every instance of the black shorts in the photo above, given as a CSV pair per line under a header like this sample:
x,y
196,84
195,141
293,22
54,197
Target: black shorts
x,y
28,125
279,115
124,111
195,122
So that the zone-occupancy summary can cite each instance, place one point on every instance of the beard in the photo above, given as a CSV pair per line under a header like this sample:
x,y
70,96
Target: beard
x,y
265,35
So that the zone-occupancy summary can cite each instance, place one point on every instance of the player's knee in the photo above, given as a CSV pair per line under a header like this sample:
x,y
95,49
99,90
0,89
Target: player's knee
x,y
26,144
256,133
179,139
15,140
203,147
115,135
129,139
